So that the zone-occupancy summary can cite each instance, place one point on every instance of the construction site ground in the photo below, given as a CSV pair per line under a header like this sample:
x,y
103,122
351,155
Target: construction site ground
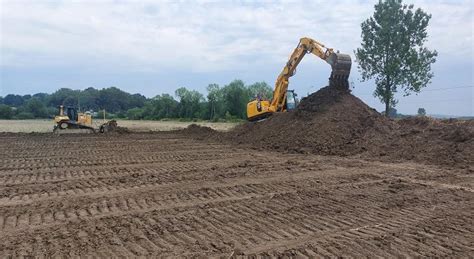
x,y
168,194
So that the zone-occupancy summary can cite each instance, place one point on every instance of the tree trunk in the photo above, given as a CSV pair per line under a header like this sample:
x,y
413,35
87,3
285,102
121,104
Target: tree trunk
x,y
387,97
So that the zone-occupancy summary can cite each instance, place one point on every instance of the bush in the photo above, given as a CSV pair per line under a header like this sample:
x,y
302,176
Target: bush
x,y
36,108
25,116
135,114
6,112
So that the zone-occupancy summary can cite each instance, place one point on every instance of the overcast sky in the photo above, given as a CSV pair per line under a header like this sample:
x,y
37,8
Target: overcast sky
x,y
154,47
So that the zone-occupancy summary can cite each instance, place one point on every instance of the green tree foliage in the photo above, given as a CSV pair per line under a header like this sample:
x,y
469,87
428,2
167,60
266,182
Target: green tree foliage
x,y
13,100
160,107
221,103
236,97
36,108
189,103
25,116
64,96
113,99
421,112
43,97
5,112
89,99
135,113
215,99
262,89
393,52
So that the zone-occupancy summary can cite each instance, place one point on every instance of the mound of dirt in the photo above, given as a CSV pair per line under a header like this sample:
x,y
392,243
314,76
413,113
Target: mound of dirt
x,y
121,130
198,132
449,142
328,122
335,122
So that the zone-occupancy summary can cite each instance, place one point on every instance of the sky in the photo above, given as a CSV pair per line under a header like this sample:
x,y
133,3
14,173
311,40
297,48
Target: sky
x,y
155,47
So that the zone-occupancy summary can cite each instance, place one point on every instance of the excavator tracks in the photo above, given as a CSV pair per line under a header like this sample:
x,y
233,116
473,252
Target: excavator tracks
x,y
165,194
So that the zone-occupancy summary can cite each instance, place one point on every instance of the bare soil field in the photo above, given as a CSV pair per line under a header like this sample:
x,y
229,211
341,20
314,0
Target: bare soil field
x,y
168,194
28,126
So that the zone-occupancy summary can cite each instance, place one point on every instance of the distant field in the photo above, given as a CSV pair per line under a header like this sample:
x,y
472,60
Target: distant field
x,y
47,125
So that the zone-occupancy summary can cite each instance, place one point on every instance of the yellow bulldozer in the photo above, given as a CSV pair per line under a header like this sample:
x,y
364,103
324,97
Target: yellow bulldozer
x,y
284,99
72,119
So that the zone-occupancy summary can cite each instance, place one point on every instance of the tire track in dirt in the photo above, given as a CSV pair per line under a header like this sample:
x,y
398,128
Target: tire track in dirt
x,y
227,220
403,235
112,160
82,173
166,195
95,201
150,180
104,151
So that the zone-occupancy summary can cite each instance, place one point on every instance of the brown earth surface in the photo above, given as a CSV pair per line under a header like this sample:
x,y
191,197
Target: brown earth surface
x,y
169,194
335,122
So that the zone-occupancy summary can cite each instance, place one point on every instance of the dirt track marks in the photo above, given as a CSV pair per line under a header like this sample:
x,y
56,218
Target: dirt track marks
x,y
162,194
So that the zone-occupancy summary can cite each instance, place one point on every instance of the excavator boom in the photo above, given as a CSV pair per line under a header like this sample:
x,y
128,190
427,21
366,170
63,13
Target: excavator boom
x,y
340,64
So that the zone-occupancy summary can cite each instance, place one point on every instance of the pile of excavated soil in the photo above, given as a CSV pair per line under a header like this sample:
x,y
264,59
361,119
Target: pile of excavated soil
x,y
198,131
121,130
449,142
334,122
329,122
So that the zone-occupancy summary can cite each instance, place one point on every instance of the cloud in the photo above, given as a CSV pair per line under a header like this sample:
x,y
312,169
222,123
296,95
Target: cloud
x,y
196,36
156,46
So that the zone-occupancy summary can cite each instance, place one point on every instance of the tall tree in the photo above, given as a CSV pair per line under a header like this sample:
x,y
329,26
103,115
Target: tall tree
x,y
215,100
262,89
13,100
189,102
393,52
36,107
421,112
64,96
236,97
5,111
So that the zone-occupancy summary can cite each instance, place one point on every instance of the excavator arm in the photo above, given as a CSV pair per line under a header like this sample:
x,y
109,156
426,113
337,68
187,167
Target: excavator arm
x,y
340,64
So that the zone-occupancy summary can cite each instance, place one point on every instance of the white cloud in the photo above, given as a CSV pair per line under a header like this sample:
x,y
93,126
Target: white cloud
x,y
203,37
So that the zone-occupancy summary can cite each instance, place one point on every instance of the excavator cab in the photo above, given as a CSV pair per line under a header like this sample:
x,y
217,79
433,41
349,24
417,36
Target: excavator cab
x,y
291,101
258,109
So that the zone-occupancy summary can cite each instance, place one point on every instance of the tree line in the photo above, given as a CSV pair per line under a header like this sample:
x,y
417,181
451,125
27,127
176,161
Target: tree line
x,y
220,103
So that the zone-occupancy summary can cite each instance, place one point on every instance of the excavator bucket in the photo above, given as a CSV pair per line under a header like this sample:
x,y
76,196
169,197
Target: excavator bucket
x,y
341,66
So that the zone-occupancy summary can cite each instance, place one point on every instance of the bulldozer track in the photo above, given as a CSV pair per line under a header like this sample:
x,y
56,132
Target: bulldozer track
x,y
193,198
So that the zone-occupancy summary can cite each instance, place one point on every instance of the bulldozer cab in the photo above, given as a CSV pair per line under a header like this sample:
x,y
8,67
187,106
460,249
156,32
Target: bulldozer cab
x,y
71,112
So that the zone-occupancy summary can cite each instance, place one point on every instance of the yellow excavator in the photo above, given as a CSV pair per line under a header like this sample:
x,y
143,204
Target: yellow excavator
x,y
284,99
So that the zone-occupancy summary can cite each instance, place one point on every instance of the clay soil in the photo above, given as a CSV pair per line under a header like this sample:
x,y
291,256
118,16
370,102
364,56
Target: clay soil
x,y
334,122
172,195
